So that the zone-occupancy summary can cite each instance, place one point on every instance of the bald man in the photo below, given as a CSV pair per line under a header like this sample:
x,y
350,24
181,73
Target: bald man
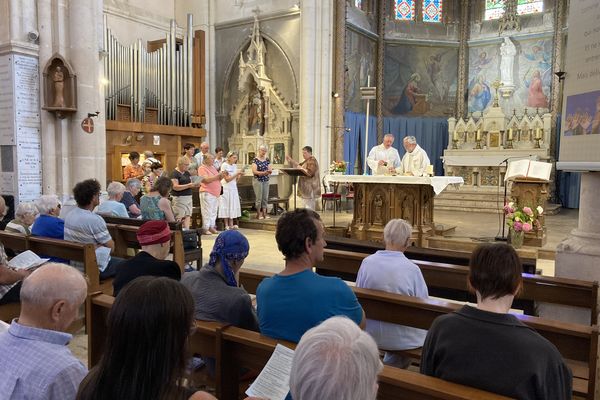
x,y
36,363
204,148
10,279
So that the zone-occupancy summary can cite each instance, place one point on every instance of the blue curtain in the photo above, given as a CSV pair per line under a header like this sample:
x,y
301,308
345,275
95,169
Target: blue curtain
x,y
431,134
568,184
354,140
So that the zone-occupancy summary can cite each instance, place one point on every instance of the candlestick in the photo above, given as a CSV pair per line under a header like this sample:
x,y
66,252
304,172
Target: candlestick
x,y
455,135
538,133
478,135
510,134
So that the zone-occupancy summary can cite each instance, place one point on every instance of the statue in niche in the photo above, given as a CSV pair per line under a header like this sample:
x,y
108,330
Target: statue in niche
x,y
407,209
58,77
255,111
508,51
378,203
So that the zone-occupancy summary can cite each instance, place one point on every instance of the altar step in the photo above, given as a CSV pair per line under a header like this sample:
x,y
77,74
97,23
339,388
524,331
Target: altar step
x,y
471,200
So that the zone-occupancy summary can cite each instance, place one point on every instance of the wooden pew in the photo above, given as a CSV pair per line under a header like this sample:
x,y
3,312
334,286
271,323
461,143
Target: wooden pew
x,y
234,348
450,281
414,253
194,255
578,344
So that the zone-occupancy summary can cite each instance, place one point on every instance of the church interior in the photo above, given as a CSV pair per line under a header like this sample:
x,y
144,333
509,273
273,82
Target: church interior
x,y
479,86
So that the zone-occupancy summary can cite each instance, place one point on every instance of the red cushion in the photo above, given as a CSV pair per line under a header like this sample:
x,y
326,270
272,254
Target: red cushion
x,y
331,195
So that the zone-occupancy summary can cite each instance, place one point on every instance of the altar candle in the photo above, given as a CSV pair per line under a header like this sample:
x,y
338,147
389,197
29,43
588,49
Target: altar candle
x,y
455,136
538,133
478,136
510,134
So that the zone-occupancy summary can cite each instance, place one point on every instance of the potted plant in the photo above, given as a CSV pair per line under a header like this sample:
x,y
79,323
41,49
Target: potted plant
x,y
521,220
338,167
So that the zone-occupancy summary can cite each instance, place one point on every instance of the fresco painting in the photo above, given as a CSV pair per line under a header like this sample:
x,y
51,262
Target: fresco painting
x,y
361,54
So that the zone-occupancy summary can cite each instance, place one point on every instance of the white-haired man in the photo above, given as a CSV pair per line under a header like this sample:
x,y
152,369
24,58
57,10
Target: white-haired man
x,y
384,158
415,161
204,148
389,270
335,360
113,206
36,362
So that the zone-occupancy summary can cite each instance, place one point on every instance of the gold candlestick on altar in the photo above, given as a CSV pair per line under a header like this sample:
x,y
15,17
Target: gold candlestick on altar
x,y
478,139
509,139
496,85
538,138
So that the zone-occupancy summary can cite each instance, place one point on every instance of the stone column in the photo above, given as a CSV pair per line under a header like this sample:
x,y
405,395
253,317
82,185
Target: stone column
x,y
316,48
87,151
381,14
463,59
578,256
337,130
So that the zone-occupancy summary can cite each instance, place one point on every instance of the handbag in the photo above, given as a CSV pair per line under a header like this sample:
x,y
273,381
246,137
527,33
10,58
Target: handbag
x,y
190,239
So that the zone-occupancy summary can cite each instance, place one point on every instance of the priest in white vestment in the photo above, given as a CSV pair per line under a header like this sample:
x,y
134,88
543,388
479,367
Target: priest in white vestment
x,y
415,162
384,158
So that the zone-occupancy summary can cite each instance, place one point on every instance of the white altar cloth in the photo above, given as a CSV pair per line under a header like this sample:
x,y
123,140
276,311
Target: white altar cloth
x,y
438,183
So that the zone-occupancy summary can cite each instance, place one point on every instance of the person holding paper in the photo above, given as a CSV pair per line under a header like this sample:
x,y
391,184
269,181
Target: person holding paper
x,y
384,158
36,362
10,279
309,187
335,360
297,299
83,226
415,161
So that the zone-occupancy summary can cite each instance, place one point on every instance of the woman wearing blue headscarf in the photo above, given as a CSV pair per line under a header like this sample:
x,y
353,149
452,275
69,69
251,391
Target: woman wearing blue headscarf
x,y
215,288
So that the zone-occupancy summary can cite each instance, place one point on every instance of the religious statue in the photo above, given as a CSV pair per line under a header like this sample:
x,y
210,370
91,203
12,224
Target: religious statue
x,y
59,86
255,112
407,209
508,51
378,203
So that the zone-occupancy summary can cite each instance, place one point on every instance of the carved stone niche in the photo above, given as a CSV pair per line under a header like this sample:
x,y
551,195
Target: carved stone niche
x,y
60,87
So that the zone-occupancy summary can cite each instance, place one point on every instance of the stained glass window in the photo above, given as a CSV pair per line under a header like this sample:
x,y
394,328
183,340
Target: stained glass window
x,y
432,11
358,4
405,10
494,9
529,6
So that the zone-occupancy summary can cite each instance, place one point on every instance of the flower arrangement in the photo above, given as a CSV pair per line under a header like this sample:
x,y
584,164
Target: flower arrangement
x,y
523,219
338,166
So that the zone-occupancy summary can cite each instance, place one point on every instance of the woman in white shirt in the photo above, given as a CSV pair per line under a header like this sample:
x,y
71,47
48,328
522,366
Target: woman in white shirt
x,y
229,201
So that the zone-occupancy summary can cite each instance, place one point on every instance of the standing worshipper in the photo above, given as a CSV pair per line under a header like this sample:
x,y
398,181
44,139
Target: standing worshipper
x,y
156,204
384,158
309,187
133,170
229,201
415,161
261,169
182,192
219,160
204,148
210,190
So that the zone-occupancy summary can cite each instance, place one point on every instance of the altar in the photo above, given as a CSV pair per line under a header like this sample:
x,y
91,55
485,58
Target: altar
x,y
378,199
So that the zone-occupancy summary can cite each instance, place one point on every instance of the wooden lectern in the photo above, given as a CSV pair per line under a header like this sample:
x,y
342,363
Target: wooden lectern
x,y
294,173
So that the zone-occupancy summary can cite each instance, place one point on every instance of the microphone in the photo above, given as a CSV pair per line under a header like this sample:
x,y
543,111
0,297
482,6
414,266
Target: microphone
x,y
510,158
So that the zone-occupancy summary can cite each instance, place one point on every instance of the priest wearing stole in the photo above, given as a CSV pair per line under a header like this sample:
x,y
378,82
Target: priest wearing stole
x,y
384,158
415,161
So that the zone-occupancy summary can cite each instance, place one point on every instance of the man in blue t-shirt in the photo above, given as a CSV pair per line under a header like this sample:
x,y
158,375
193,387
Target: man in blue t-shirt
x,y
297,299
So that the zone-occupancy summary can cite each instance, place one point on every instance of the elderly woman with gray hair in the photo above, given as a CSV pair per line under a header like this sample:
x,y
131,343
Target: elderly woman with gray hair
x,y
389,270
113,206
48,224
261,169
25,214
335,360
132,189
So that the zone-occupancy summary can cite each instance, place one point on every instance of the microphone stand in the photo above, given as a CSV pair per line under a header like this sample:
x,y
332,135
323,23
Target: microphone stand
x,y
503,238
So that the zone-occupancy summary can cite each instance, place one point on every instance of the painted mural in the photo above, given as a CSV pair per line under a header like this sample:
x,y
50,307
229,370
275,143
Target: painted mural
x,y
532,75
420,80
361,53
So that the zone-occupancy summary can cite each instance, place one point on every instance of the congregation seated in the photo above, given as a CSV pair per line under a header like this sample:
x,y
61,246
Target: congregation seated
x,y
391,271
113,206
155,240
36,362
335,360
132,188
10,279
297,299
488,348
215,288
156,205
145,355
83,226
25,214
